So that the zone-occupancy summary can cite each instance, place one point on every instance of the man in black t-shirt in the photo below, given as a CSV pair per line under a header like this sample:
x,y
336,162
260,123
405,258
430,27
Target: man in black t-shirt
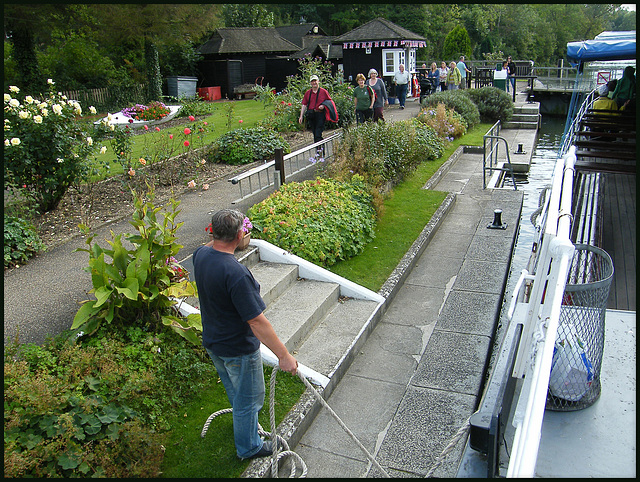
x,y
233,325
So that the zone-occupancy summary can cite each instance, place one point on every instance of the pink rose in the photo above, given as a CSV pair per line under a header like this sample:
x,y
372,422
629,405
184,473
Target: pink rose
x,y
187,131
191,118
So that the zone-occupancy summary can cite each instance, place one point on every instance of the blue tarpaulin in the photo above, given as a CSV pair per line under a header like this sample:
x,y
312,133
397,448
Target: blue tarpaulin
x,y
606,46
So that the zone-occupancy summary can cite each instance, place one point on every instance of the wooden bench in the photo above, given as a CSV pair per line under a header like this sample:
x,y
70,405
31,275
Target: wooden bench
x,y
588,214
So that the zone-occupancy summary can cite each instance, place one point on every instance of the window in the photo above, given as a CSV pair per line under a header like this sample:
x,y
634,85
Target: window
x,y
391,58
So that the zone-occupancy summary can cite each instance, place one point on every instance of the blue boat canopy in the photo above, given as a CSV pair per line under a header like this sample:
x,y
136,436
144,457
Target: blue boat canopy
x,y
606,46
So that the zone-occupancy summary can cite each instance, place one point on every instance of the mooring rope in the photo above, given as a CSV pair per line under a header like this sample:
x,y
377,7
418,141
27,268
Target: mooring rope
x,y
277,442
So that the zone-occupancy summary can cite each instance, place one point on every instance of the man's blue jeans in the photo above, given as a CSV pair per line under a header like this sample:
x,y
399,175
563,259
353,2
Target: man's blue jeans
x,y
401,90
243,379
511,80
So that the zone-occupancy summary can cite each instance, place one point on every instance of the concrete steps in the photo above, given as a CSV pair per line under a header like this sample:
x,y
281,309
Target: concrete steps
x,y
314,315
525,116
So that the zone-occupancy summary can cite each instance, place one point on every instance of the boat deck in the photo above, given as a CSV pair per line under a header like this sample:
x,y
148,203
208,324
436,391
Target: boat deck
x,y
619,238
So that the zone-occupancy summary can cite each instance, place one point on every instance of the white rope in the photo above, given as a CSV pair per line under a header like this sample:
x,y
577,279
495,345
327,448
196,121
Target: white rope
x,y
277,442
461,431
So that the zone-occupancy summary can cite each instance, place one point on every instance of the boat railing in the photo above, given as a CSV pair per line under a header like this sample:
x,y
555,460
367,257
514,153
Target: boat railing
x,y
570,131
539,313
262,177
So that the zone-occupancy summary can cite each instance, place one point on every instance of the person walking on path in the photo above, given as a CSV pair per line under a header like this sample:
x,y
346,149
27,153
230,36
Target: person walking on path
x,y
401,79
381,95
313,108
443,76
462,67
453,77
233,325
363,98
511,72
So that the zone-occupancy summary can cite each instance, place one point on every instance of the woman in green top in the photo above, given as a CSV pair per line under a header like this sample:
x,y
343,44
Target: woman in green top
x,y
453,77
363,98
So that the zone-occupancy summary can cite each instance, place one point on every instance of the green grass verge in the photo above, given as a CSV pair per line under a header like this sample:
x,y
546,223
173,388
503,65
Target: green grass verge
x,y
189,455
407,210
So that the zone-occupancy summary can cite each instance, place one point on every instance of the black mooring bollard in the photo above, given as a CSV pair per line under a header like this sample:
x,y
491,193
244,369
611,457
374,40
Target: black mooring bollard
x,y
497,221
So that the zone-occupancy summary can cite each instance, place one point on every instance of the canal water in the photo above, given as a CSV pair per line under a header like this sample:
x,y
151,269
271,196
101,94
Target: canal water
x,y
543,161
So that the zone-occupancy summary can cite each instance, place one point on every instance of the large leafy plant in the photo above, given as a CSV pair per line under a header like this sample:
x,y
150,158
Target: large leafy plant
x,y
243,146
138,285
321,220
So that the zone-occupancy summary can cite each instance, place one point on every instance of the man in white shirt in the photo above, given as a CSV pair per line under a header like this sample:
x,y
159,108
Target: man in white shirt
x,y
401,79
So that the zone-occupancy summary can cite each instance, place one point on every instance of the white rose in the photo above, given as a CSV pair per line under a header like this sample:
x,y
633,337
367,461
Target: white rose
x,y
7,97
28,99
13,88
103,149
50,81
23,114
93,110
7,142
45,112
57,109
15,141
14,103
60,160
37,119
89,141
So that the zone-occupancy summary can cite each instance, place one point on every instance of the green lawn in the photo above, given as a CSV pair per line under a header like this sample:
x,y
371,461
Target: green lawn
x,y
218,123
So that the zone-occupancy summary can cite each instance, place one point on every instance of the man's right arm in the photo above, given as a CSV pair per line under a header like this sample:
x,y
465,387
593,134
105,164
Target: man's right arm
x,y
263,330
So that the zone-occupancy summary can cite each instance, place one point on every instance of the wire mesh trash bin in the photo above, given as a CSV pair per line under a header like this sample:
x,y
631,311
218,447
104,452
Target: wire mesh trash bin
x,y
574,382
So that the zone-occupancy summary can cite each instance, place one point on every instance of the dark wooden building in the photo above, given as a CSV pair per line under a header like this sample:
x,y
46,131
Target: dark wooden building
x,y
255,55
378,44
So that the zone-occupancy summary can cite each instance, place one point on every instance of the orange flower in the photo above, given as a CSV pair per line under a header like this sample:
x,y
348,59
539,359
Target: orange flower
x,y
132,172
143,162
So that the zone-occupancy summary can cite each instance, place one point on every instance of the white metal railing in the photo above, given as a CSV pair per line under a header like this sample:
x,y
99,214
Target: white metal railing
x,y
259,178
541,314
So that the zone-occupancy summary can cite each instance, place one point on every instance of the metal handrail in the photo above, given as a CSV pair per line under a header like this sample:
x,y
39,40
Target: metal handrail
x,y
492,154
264,176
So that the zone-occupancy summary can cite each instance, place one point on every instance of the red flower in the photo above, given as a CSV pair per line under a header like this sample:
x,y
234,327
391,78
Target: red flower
x,y
191,118
157,129
146,127
187,131
186,143
170,136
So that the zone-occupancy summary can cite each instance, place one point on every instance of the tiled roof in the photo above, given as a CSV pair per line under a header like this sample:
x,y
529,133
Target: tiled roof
x,y
247,40
378,29
296,33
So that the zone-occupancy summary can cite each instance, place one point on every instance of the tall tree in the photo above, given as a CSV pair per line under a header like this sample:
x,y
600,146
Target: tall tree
x,y
247,15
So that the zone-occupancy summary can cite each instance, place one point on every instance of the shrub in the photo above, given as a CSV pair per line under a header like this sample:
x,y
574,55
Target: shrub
x,y
458,101
321,220
138,286
96,410
384,153
493,103
243,146
446,122
46,148
195,106
21,241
